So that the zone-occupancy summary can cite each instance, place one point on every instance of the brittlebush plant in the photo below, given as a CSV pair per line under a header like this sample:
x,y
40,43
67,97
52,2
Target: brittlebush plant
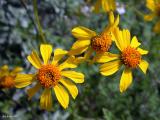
x,y
89,42
104,5
154,7
51,76
7,76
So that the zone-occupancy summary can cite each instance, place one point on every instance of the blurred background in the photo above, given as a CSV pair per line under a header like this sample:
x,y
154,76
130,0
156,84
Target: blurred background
x,y
99,97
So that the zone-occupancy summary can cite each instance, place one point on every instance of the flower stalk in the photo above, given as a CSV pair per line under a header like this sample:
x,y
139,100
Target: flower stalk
x,y
40,30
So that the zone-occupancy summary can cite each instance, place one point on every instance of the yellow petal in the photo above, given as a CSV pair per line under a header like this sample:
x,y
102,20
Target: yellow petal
x,y
97,6
46,51
156,28
134,42
46,100
23,80
4,68
108,5
16,70
113,36
78,51
149,17
144,66
142,52
4,71
81,43
126,37
118,39
62,95
122,38
116,22
71,62
79,47
71,87
113,23
112,4
126,80
75,76
111,17
105,5
32,91
110,68
58,54
83,33
150,5
106,57
88,53
34,59
80,60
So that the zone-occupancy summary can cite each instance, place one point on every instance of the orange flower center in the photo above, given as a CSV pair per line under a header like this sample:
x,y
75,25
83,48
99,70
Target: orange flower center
x,y
131,57
101,43
48,75
7,82
158,9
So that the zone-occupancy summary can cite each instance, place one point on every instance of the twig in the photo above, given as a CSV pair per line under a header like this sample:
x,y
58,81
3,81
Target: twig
x,y
30,17
35,9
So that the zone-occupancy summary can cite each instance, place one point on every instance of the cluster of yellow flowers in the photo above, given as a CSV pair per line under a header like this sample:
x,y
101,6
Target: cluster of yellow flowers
x,y
154,7
55,74
7,77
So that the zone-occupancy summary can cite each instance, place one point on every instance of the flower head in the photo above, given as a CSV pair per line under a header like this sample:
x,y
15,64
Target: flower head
x,y
130,56
154,7
7,76
51,75
106,5
89,41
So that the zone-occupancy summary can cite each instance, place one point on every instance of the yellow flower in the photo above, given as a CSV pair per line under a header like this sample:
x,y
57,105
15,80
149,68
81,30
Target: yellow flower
x,y
89,41
130,56
7,77
51,76
106,5
154,6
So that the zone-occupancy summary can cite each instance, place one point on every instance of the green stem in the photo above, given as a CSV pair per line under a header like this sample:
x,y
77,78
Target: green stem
x,y
35,8
135,10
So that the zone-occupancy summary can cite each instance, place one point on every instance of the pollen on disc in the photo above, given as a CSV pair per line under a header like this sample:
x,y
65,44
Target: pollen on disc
x,y
131,57
48,75
101,43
